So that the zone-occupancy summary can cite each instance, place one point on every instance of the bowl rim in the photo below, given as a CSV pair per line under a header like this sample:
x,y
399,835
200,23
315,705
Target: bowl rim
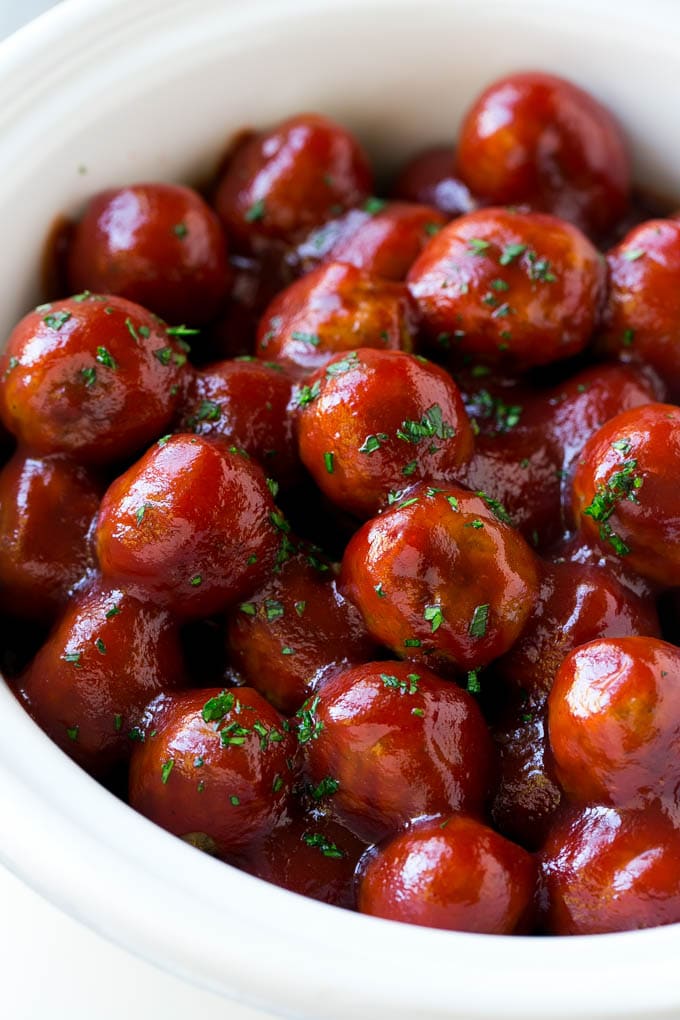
x,y
205,921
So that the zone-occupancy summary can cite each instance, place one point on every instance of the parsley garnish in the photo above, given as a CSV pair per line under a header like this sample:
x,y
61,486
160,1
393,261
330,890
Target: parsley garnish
x,y
374,205
309,725
327,848
480,618
256,212
328,459
496,508
166,770
306,338
216,708
105,358
57,320
511,252
623,484
478,246
326,788
434,616
407,686
372,443
431,425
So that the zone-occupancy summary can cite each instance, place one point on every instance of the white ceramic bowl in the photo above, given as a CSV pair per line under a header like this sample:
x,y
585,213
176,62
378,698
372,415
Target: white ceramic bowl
x,y
101,92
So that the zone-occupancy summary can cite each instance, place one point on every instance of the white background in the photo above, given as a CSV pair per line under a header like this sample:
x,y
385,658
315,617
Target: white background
x,y
53,967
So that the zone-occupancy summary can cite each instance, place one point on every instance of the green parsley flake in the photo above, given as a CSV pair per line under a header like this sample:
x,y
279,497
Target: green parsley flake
x,y
166,770
419,712
407,686
434,616
180,230
100,646
326,788
372,443
328,459
374,205
473,685
89,376
477,246
511,252
300,607
306,338
196,581
623,484
57,320
328,849
496,508
478,623
216,708
235,800
309,726
256,212
73,658
72,732
633,254
209,411
106,359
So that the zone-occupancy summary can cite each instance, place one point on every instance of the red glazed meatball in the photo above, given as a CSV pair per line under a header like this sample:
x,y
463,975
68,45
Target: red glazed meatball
x,y
157,244
379,420
527,794
577,603
582,404
428,178
93,376
192,524
311,855
295,632
606,870
383,238
291,178
106,658
47,505
246,402
509,288
614,721
213,768
439,577
537,139
626,493
642,321
455,874
334,309
399,742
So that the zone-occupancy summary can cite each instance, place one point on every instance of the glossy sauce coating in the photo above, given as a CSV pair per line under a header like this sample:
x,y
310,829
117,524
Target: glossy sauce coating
x,y
512,288
452,873
642,320
576,604
379,420
97,377
614,722
535,138
245,401
606,870
295,632
289,179
191,524
335,308
309,854
384,238
159,245
106,658
428,178
47,505
440,578
400,743
626,495
213,768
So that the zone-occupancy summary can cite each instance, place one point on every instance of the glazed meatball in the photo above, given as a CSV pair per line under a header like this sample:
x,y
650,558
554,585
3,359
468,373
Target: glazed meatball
x,y
191,524
97,377
295,632
47,505
626,495
439,577
379,420
246,402
213,768
383,238
614,721
157,244
291,178
311,855
509,288
606,870
429,179
335,309
537,139
451,873
107,657
642,321
399,743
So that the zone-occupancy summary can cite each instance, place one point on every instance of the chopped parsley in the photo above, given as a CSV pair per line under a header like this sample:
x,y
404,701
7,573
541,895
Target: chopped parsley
x,y
180,230
328,459
434,616
216,708
477,246
256,212
374,205
166,769
328,849
306,338
372,443
89,376
478,623
309,725
326,788
511,252
106,359
407,686
57,320
431,425
496,507
623,484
